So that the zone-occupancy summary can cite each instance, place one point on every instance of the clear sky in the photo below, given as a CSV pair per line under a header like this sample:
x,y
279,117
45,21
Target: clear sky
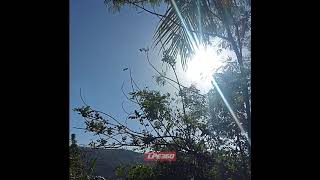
x,y
102,43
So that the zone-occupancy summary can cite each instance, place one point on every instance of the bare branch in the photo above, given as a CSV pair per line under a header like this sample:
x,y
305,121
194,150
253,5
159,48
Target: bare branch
x,y
154,13
124,109
82,98
127,96
79,128
117,121
132,81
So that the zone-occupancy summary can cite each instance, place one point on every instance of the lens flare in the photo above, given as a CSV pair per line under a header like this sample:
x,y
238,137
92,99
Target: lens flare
x,y
231,111
204,58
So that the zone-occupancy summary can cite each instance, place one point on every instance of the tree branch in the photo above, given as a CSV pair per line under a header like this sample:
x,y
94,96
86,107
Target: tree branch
x,y
124,109
127,96
154,13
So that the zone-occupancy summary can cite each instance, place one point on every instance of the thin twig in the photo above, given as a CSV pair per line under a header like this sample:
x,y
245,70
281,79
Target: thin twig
x,y
82,98
127,96
116,121
124,109
135,84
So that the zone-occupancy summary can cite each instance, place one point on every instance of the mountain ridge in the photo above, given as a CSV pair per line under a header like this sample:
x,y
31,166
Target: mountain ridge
x,y
108,159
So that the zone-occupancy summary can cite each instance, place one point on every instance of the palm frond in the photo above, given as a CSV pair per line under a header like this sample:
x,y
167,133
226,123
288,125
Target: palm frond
x,y
174,35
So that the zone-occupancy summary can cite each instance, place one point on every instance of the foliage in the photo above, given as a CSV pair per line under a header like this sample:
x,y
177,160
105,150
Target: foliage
x,y
135,172
79,168
199,128
229,141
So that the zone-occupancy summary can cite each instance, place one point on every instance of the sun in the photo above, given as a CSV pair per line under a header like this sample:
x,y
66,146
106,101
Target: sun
x,y
202,65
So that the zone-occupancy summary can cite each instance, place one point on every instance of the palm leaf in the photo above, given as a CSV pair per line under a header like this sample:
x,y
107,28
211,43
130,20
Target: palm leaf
x,y
172,34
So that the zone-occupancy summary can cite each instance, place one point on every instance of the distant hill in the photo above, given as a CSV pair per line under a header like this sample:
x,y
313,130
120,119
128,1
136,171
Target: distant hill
x,y
109,159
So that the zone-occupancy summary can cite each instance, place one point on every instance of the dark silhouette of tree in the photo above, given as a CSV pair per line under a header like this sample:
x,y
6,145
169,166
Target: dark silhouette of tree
x,y
80,167
77,168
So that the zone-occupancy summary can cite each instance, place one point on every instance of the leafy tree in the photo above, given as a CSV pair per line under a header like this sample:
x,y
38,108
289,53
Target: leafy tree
x,y
138,172
77,168
80,169
222,125
168,122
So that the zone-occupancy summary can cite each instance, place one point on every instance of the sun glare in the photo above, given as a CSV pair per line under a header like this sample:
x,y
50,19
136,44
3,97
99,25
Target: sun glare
x,y
202,66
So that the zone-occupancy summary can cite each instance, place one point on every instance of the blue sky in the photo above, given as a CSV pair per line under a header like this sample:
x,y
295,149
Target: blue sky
x,y
102,43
